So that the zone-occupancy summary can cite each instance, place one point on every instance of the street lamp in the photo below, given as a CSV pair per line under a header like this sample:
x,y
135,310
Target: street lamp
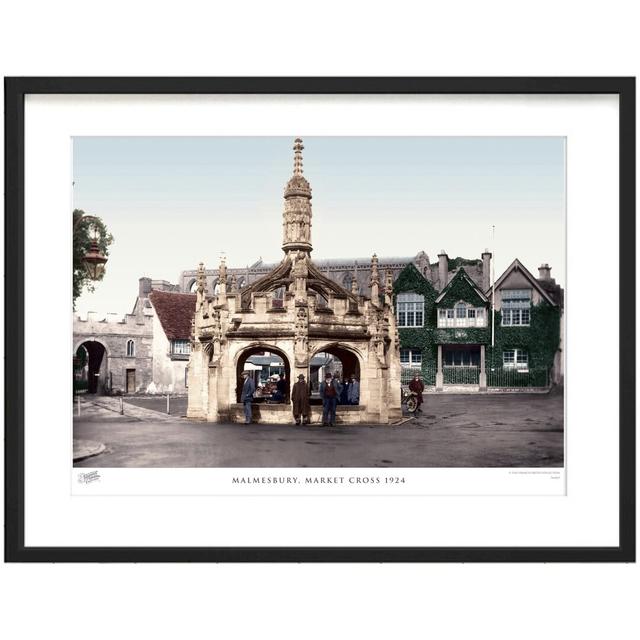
x,y
94,260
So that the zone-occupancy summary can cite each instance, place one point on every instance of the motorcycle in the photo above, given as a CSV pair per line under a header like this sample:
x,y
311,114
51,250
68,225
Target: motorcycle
x,y
409,398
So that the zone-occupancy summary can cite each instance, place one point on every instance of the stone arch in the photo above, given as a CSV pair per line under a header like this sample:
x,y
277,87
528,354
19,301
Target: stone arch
x,y
81,341
252,349
97,364
192,285
350,357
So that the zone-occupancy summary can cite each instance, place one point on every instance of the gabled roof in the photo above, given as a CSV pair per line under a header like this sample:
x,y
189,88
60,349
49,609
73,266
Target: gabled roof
x,y
175,311
282,275
461,274
516,265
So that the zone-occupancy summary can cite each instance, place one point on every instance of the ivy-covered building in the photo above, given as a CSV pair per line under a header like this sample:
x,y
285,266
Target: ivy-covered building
x,y
462,334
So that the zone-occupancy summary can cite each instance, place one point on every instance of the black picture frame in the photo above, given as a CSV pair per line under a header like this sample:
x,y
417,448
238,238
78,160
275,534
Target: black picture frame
x,y
15,91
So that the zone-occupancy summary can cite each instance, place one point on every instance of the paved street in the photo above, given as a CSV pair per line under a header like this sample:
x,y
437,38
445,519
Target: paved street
x,y
453,431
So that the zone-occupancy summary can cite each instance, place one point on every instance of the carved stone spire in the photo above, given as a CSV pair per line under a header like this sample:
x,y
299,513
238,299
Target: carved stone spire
x,y
375,281
296,218
297,157
222,281
388,287
201,286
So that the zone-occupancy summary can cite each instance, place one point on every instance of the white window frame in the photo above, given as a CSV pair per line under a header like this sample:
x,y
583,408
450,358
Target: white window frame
x,y
516,307
183,350
451,317
414,358
520,360
410,310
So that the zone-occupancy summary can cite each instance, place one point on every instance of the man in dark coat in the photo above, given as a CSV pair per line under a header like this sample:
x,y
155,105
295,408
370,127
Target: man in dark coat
x,y
300,400
329,392
344,390
417,386
282,387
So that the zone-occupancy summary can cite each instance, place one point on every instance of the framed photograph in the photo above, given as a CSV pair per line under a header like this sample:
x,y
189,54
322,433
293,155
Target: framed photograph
x,y
320,319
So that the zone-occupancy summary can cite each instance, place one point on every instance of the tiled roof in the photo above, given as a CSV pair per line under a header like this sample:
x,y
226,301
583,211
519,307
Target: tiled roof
x,y
554,290
175,311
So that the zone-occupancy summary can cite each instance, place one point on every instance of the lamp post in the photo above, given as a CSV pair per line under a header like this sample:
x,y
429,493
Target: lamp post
x,y
94,260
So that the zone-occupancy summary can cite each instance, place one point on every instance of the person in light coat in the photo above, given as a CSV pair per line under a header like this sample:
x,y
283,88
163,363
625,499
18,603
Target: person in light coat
x,y
246,396
353,394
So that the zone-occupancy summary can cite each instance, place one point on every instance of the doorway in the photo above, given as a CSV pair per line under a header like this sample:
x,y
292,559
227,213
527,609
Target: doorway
x,y
131,380
93,373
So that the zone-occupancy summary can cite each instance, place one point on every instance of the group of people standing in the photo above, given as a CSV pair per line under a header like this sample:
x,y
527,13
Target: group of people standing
x,y
332,393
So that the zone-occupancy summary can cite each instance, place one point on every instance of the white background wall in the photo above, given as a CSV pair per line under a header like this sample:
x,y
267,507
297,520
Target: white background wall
x,y
331,38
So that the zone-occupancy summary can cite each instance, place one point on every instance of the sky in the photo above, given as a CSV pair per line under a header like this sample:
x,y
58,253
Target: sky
x,y
172,202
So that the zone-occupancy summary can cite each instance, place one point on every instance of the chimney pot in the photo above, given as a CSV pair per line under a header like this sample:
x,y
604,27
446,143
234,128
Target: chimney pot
x,y
545,272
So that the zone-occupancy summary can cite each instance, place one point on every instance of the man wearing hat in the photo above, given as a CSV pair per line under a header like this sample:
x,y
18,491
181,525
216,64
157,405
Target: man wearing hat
x,y
329,392
300,400
246,396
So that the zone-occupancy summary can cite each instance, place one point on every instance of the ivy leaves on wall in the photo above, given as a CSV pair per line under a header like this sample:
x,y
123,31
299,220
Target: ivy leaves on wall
x,y
461,288
540,339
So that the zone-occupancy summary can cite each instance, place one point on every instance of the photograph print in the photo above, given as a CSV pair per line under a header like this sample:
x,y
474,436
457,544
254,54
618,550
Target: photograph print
x,y
318,302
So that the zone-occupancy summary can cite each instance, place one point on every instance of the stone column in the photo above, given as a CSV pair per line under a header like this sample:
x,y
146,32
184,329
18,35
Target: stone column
x,y
483,372
439,374
198,392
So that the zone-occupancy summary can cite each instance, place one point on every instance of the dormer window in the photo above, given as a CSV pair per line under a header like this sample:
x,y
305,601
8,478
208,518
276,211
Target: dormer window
x,y
516,307
410,310
462,315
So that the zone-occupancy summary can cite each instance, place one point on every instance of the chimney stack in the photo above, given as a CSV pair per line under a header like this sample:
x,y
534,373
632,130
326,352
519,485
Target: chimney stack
x,y
144,288
486,270
545,272
443,268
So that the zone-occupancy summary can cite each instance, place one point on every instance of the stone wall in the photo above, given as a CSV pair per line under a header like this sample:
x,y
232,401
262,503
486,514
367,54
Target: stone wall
x,y
114,334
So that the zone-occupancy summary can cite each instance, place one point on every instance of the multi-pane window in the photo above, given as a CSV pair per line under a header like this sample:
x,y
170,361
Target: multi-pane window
x,y
410,310
180,347
516,307
515,358
461,358
410,357
462,315
131,348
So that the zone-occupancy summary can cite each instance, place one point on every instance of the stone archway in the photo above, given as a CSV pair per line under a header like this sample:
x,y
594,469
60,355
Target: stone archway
x,y
348,363
349,359
96,366
256,350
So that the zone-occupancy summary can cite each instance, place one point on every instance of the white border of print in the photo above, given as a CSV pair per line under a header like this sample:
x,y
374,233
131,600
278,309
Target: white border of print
x,y
586,516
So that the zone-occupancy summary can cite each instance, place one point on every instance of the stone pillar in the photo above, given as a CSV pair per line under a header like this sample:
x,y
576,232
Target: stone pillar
x,y
486,270
443,268
198,392
439,373
483,372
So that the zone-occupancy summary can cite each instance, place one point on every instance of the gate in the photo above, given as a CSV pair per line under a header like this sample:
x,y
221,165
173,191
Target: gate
x,y
511,378
461,375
